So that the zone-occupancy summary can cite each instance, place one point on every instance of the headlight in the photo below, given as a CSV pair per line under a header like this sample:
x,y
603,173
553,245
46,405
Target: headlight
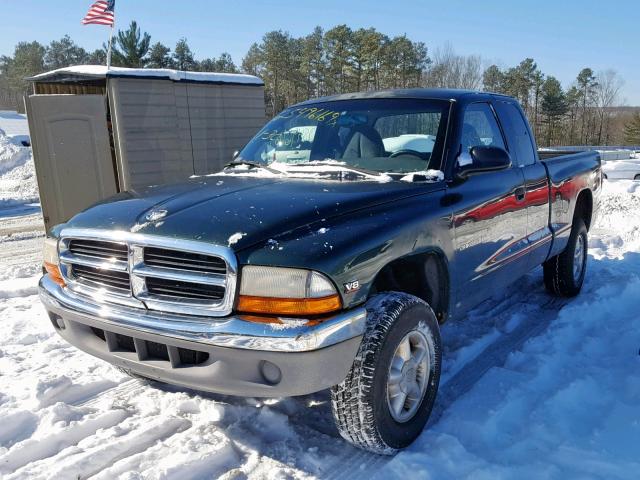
x,y
286,291
50,260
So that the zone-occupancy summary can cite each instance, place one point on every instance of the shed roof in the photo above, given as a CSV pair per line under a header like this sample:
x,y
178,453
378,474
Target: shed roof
x,y
96,72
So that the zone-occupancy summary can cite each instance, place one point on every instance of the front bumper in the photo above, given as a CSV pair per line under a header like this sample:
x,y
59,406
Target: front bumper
x,y
224,355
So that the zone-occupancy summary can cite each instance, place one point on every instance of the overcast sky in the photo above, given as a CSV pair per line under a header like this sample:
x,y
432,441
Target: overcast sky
x,y
562,36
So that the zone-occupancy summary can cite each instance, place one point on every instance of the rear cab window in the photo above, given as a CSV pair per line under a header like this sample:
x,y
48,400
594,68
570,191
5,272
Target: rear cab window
x,y
521,145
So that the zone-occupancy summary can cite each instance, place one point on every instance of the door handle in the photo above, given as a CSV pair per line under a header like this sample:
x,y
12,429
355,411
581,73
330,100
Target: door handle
x,y
520,193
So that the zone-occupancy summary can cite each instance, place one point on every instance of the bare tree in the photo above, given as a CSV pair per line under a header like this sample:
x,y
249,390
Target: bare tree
x,y
450,70
607,93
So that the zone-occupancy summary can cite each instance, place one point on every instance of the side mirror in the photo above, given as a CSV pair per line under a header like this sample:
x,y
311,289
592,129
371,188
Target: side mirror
x,y
482,159
235,155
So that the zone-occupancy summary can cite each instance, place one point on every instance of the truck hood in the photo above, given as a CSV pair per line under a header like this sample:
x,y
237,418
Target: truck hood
x,y
239,211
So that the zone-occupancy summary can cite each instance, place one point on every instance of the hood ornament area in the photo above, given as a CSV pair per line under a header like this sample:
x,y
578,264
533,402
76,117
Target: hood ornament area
x,y
150,217
155,215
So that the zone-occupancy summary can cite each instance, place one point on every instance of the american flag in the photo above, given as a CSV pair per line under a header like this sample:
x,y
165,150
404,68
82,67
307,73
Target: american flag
x,y
101,13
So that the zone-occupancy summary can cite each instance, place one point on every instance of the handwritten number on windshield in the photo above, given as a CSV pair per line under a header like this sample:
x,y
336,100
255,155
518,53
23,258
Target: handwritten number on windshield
x,y
320,115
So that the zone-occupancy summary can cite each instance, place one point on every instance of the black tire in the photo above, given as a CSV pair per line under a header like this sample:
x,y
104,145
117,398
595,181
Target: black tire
x,y
359,404
559,277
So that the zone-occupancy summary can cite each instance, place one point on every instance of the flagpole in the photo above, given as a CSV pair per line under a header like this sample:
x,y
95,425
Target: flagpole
x,y
109,50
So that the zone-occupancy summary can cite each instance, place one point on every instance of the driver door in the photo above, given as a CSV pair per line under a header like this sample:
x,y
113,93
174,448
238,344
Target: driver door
x,y
489,215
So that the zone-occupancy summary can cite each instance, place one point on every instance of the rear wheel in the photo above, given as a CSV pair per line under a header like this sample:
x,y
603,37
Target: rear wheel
x,y
387,396
564,273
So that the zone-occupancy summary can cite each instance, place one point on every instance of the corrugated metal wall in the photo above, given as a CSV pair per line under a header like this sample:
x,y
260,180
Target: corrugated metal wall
x,y
166,131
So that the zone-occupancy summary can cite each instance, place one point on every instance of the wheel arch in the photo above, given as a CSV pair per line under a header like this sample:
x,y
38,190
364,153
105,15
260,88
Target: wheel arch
x,y
423,274
584,207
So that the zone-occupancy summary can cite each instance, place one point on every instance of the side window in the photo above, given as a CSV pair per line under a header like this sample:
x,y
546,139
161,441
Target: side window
x,y
522,144
480,128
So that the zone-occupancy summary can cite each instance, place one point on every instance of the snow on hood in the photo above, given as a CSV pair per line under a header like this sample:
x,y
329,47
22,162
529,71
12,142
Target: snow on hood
x,y
100,71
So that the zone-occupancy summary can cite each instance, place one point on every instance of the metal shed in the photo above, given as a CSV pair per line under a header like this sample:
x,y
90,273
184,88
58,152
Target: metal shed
x,y
96,132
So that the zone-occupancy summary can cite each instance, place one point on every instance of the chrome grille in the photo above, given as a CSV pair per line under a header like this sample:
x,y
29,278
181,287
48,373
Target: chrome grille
x,y
97,249
193,262
100,277
176,288
178,276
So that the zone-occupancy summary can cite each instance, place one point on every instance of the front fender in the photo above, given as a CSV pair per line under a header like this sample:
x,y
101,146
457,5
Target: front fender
x,y
355,247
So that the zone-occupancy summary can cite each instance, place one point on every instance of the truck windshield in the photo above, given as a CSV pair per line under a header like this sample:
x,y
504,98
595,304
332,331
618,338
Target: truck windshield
x,y
377,135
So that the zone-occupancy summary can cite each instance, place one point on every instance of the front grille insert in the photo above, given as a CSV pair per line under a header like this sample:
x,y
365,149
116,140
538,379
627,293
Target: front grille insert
x,y
152,272
146,350
99,249
101,277
180,289
192,262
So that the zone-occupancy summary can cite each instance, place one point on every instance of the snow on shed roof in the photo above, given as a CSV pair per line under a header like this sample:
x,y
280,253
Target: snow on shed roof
x,y
100,71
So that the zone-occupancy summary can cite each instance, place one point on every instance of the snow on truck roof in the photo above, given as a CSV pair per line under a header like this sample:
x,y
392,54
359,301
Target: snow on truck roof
x,y
79,72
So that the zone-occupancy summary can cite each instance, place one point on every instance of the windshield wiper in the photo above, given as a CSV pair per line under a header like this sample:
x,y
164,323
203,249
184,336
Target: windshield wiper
x,y
337,164
251,164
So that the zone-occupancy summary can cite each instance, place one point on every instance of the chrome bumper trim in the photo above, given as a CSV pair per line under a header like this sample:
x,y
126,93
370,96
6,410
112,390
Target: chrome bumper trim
x,y
292,335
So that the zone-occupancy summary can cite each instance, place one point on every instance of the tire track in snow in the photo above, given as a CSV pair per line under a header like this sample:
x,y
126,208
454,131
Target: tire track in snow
x,y
494,355
90,460
34,449
64,390
124,389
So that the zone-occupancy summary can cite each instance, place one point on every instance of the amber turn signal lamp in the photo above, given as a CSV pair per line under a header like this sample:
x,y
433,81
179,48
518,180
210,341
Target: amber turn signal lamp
x,y
54,273
289,306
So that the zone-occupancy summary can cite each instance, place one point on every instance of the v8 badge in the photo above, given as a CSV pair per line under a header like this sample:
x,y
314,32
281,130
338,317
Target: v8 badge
x,y
351,287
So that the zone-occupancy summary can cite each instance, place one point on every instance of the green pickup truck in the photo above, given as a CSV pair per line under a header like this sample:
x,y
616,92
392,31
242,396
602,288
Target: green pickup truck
x,y
327,254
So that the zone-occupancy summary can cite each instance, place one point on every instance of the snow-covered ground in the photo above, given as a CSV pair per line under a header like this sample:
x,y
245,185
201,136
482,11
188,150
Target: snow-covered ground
x,y
533,386
18,187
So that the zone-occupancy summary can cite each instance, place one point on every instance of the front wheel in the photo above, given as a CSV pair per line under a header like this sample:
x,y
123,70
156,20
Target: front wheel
x,y
386,399
564,273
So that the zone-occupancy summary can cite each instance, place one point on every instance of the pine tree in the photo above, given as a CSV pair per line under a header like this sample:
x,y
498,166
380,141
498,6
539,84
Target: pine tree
x,y
274,56
63,53
159,56
493,79
632,130
183,56
225,64
553,106
97,57
253,61
312,64
586,83
131,47
27,60
338,47
573,105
